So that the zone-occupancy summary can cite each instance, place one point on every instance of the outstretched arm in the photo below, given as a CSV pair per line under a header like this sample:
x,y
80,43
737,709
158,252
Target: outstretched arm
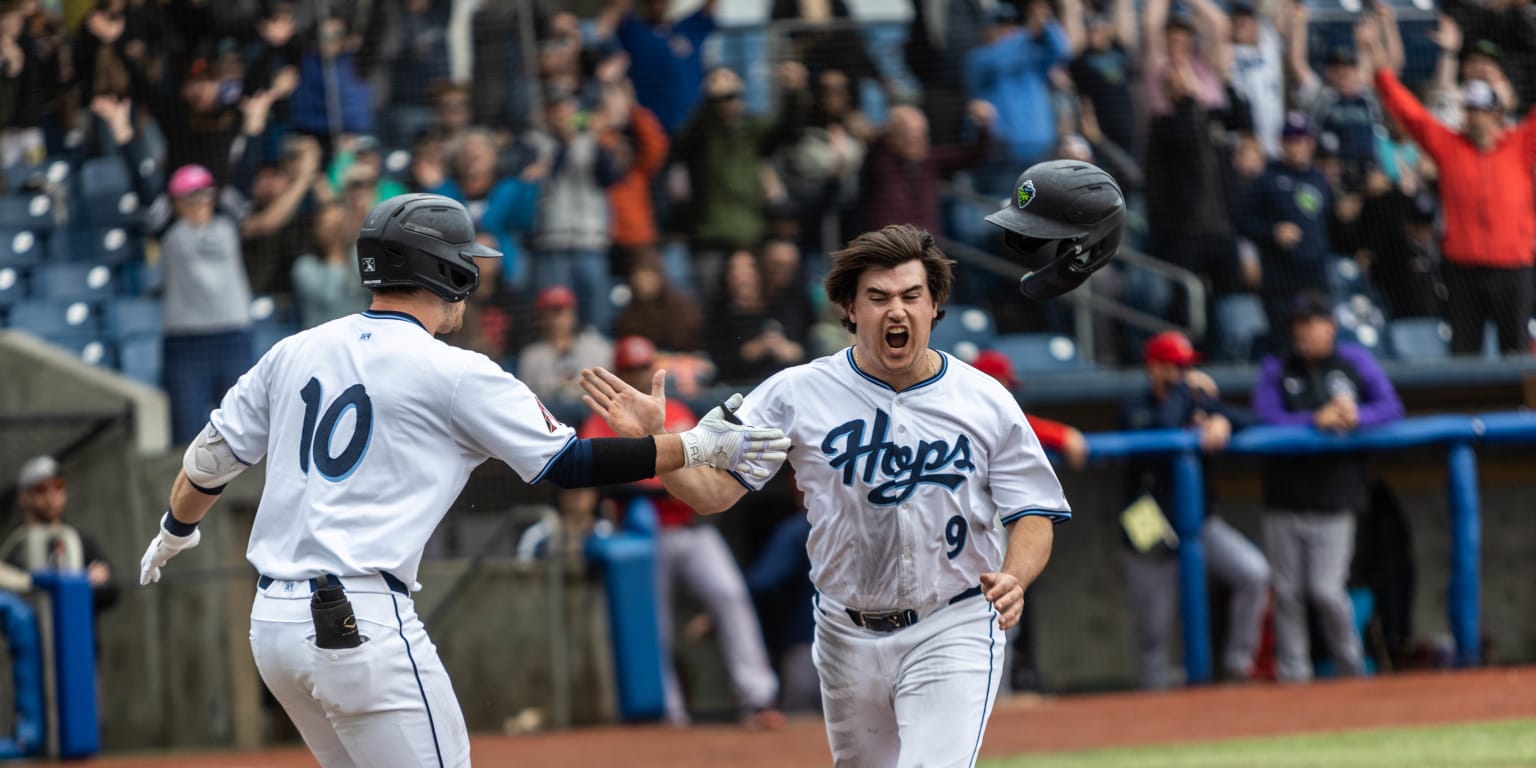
x,y
631,413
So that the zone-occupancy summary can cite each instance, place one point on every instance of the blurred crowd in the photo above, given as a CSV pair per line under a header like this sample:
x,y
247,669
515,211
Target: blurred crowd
x,y
633,192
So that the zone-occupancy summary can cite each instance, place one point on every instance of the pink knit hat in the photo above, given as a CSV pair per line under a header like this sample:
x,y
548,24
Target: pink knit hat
x,y
188,179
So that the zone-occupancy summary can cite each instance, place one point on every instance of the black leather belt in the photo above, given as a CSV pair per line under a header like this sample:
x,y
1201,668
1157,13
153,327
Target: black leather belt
x,y
890,621
395,585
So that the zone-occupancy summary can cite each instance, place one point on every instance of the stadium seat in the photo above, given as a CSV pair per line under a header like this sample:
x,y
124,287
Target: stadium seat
x,y
110,210
139,358
124,318
1241,327
13,286
108,245
1420,338
84,346
73,282
31,212
105,176
964,331
47,318
20,248
1034,352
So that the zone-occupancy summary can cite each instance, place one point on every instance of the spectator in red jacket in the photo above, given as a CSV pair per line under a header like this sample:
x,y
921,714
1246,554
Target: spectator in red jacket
x,y
1486,189
902,171
1054,435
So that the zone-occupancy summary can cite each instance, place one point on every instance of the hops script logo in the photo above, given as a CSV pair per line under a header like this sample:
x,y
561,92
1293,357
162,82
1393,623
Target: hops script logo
x,y
904,468
1026,192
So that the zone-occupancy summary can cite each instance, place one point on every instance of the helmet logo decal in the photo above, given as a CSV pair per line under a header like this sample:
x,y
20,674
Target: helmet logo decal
x,y
368,264
1026,192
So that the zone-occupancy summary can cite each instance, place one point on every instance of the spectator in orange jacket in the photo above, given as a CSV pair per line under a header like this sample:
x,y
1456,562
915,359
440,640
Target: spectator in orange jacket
x,y
639,144
1486,189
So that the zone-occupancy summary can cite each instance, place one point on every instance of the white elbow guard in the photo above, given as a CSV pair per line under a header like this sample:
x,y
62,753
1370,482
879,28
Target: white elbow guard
x,y
209,463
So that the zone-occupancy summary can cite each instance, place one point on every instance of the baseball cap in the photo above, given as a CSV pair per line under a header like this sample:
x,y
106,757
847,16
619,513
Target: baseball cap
x,y
1478,94
1181,20
1297,125
1485,47
554,297
1170,347
633,352
1241,8
36,470
188,179
1340,57
997,365
1310,303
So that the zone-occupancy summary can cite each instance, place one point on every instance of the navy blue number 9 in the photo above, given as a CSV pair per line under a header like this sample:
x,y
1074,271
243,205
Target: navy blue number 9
x,y
337,467
954,533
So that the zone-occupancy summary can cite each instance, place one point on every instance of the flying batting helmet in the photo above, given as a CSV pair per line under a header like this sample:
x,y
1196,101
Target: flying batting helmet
x,y
1064,221
421,240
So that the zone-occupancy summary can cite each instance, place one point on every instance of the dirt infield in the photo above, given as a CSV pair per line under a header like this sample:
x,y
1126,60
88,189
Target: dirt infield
x,y
1019,725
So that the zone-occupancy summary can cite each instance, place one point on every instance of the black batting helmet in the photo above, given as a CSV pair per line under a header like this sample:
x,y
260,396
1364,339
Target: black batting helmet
x,y
1064,221
421,240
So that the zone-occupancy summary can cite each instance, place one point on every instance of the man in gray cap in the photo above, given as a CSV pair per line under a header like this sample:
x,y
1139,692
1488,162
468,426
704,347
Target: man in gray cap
x,y
44,542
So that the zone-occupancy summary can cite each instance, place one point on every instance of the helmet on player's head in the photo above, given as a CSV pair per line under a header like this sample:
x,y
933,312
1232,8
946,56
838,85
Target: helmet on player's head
x,y
1064,221
421,240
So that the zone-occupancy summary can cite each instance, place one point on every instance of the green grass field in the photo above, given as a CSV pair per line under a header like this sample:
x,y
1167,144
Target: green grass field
x,y
1485,745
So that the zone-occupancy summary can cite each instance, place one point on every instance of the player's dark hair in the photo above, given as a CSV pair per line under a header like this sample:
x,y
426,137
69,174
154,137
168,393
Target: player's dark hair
x,y
887,248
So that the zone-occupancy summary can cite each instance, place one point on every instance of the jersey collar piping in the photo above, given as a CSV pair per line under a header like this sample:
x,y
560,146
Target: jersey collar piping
x,y
943,368
390,314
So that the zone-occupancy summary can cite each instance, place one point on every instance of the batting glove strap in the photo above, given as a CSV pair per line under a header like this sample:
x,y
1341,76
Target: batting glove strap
x,y
176,529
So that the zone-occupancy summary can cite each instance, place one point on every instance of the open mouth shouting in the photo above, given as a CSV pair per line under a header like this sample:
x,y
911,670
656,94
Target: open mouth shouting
x,y
897,337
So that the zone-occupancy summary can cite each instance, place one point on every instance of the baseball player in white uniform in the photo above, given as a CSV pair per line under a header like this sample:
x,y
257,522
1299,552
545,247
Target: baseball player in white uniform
x,y
371,427
913,465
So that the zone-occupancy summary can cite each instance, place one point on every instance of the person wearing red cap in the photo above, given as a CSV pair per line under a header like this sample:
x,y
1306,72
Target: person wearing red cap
x,y
551,365
1024,675
1179,397
1054,435
691,553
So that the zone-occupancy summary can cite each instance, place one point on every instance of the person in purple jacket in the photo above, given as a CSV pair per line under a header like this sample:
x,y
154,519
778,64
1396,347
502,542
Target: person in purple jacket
x,y
1311,500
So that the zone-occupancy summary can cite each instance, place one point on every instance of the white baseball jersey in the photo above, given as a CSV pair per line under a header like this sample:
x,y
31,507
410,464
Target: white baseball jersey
x,y
904,489
370,427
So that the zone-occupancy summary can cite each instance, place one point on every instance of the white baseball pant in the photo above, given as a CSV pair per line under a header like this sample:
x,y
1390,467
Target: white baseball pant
x,y
385,704
917,696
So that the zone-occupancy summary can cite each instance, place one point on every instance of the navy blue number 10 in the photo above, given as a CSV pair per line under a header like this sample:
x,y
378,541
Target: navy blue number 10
x,y
336,467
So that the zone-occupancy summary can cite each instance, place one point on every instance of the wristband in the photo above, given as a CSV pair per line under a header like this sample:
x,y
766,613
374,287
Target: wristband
x,y
176,527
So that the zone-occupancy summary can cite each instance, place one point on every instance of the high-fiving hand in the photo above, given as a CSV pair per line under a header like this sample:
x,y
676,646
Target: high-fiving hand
x,y
721,441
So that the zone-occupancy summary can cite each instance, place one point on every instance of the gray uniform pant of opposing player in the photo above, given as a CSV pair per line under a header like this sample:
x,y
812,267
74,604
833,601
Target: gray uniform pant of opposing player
x,y
697,556
918,696
1153,586
385,704
1311,553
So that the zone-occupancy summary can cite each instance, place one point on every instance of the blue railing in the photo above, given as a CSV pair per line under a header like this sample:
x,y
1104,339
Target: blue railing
x,y
1457,433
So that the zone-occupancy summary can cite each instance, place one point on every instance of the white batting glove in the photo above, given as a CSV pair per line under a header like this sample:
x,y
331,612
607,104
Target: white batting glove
x,y
721,441
162,548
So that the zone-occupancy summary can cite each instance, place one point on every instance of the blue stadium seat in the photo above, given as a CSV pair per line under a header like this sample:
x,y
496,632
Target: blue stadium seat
x,y
108,245
141,279
32,212
1420,338
123,318
964,330
85,346
108,210
1034,352
73,281
1240,326
138,357
105,176
47,318
13,285
20,248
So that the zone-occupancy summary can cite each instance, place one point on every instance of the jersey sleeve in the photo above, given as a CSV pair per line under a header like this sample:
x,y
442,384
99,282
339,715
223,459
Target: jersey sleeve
x,y
769,405
244,416
1020,477
494,413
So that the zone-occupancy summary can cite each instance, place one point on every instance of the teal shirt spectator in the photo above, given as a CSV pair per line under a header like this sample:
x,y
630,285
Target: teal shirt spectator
x,y
324,291
507,215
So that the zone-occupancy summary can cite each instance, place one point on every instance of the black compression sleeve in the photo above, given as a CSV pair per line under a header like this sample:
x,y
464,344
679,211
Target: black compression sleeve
x,y
604,461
